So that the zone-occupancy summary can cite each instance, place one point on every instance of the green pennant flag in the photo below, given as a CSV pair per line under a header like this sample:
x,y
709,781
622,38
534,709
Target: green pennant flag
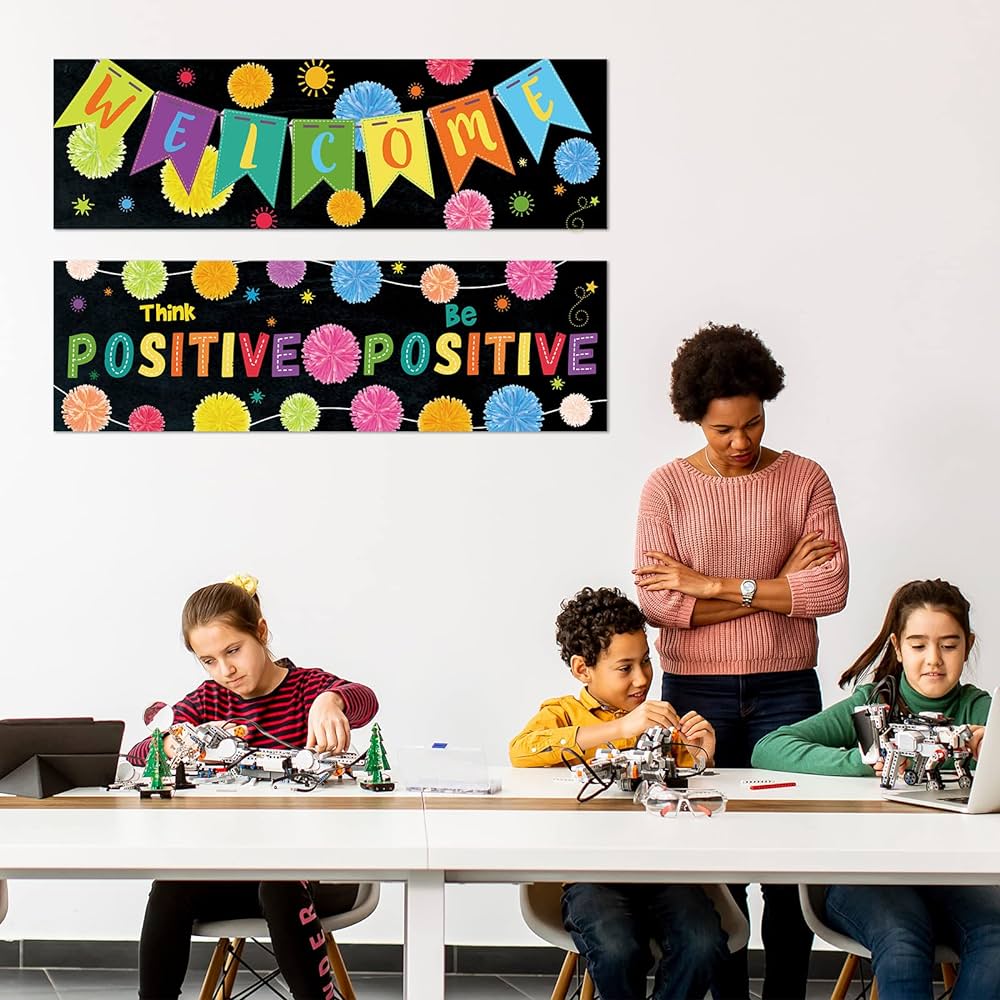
x,y
322,150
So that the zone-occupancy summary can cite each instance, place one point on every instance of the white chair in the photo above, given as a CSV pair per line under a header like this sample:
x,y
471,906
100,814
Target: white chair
x,y
541,908
813,901
232,935
3,899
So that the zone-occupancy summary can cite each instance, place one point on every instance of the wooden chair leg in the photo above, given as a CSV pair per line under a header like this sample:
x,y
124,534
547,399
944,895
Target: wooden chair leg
x,y
340,976
948,975
214,969
587,990
232,967
874,993
845,977
565,980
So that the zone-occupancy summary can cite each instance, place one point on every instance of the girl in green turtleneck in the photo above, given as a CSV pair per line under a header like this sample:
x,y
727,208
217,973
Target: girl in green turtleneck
x,y
924,643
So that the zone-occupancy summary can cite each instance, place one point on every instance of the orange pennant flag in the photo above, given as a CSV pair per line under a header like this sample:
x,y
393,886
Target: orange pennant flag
x,y
467,129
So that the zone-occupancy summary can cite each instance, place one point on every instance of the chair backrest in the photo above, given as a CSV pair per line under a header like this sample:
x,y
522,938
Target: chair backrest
x,y
541,908
812,899
3,899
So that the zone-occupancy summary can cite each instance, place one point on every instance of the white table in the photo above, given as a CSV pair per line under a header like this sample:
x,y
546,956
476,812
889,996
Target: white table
x,y
337,833
822,830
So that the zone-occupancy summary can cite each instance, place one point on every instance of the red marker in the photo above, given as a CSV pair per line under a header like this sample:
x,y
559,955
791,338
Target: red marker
x,y
773,784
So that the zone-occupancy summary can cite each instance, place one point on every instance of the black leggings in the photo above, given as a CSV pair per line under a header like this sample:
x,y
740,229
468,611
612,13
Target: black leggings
x,y
292,911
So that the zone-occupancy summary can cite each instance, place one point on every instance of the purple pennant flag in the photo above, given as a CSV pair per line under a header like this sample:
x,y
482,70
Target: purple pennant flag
x,y
177,130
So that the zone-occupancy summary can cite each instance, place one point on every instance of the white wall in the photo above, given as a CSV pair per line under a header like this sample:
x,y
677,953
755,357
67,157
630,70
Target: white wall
x,y
823,172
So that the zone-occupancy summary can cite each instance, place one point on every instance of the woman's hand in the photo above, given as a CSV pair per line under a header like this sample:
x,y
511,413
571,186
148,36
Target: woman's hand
x,y
647,715
978,732
698,731
810,550
666,573
328,725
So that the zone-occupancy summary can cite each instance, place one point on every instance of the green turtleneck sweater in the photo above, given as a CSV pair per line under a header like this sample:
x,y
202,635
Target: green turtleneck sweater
x,y
826,743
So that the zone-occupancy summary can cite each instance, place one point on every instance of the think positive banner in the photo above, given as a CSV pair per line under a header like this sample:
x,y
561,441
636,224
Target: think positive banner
x,y
338,345
442,143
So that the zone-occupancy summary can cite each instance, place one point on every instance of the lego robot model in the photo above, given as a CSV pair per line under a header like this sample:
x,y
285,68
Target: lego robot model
x,y
925,740
658,758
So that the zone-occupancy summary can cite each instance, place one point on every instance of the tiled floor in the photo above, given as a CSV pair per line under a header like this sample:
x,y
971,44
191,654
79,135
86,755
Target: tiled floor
x,y
101,984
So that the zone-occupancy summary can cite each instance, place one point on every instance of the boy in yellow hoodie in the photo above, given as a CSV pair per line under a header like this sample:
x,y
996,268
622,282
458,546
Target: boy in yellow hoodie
x,y
602,637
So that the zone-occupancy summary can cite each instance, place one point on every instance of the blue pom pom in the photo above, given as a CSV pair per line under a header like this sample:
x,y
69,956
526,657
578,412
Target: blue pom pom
x,y
366,99
513,408
356,280
577,161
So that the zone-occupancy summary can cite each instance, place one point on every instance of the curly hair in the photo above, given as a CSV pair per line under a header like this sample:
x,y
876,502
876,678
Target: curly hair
x,y
591,619
719,362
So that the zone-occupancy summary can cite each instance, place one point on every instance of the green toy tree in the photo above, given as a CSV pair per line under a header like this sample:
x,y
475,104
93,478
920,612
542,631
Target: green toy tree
x,y
376,764
157,763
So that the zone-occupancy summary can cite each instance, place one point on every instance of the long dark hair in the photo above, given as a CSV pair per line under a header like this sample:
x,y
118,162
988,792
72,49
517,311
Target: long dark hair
x,y
880,657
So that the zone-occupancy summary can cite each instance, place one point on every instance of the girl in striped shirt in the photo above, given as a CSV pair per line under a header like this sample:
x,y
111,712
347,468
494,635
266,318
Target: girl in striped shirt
x,y
305,707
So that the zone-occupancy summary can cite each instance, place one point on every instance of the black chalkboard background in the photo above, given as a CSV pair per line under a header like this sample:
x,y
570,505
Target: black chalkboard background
x,y
88,307
403,206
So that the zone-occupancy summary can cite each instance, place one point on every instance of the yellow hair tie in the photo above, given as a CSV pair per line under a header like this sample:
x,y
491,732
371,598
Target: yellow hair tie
x,y
244,582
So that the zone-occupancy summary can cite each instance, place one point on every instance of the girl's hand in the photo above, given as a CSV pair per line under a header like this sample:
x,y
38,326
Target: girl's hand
x,y
810,550
698,731
328,725
666,573
978,732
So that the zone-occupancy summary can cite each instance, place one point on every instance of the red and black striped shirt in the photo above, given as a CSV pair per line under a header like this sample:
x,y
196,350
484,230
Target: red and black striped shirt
x,y
283,713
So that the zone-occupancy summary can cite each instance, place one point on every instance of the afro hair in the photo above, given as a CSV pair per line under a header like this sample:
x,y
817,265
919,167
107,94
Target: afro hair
x,y
591,619
719,362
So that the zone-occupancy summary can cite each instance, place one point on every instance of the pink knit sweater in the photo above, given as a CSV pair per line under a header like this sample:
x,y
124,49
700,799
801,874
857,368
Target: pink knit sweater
x,y
743,527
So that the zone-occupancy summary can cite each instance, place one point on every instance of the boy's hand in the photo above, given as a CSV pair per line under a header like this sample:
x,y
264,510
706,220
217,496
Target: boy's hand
x,y
648,714
698,731
328,725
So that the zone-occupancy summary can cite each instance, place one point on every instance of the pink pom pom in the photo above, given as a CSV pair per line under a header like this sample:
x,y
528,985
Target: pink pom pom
x,y
286,273
146,418
439,283
376,408
468,210
331,353
531,279
449,71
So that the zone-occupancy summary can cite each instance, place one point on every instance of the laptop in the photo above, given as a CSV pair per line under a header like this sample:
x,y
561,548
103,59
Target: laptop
x,y
984,795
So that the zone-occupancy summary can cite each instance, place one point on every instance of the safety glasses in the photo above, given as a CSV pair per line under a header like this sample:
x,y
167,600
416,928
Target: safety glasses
x,y
670,802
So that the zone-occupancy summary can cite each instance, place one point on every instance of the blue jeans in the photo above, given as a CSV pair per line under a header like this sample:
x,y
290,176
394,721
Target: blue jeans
x,y
900,924
613,924
743,708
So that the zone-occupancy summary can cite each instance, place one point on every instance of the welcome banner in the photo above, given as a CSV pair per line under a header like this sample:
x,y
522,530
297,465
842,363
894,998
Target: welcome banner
x,y
338,345
445,143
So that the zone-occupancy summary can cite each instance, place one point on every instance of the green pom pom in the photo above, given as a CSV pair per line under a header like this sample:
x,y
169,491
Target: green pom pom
x,y
87,158
299,412
144,279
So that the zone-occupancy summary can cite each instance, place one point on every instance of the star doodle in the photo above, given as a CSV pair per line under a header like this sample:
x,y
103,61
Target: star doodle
x,y
594,200
557,383
591,287
94,374
399,267
256,396
271,321
559,189
307,297
108,290
82,205
522,162
252,295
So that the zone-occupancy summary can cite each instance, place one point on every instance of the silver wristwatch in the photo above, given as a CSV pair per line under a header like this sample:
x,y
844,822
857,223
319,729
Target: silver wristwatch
x,y
748,588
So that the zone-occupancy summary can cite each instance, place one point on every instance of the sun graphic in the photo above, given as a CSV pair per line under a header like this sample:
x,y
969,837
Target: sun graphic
x,y
264,218
521,203
126,203
559,189
315,78
186,76
415,91
307,297
82,206
501,303
399,267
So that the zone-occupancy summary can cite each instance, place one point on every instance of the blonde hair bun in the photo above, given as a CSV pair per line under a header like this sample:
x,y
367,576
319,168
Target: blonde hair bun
x,y
244,581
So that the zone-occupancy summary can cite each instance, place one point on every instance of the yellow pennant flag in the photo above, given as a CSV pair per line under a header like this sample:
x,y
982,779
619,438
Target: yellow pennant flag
x,y
396,146
111,98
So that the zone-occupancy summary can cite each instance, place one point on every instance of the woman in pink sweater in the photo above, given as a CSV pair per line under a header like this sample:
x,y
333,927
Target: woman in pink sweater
x,y
738,551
